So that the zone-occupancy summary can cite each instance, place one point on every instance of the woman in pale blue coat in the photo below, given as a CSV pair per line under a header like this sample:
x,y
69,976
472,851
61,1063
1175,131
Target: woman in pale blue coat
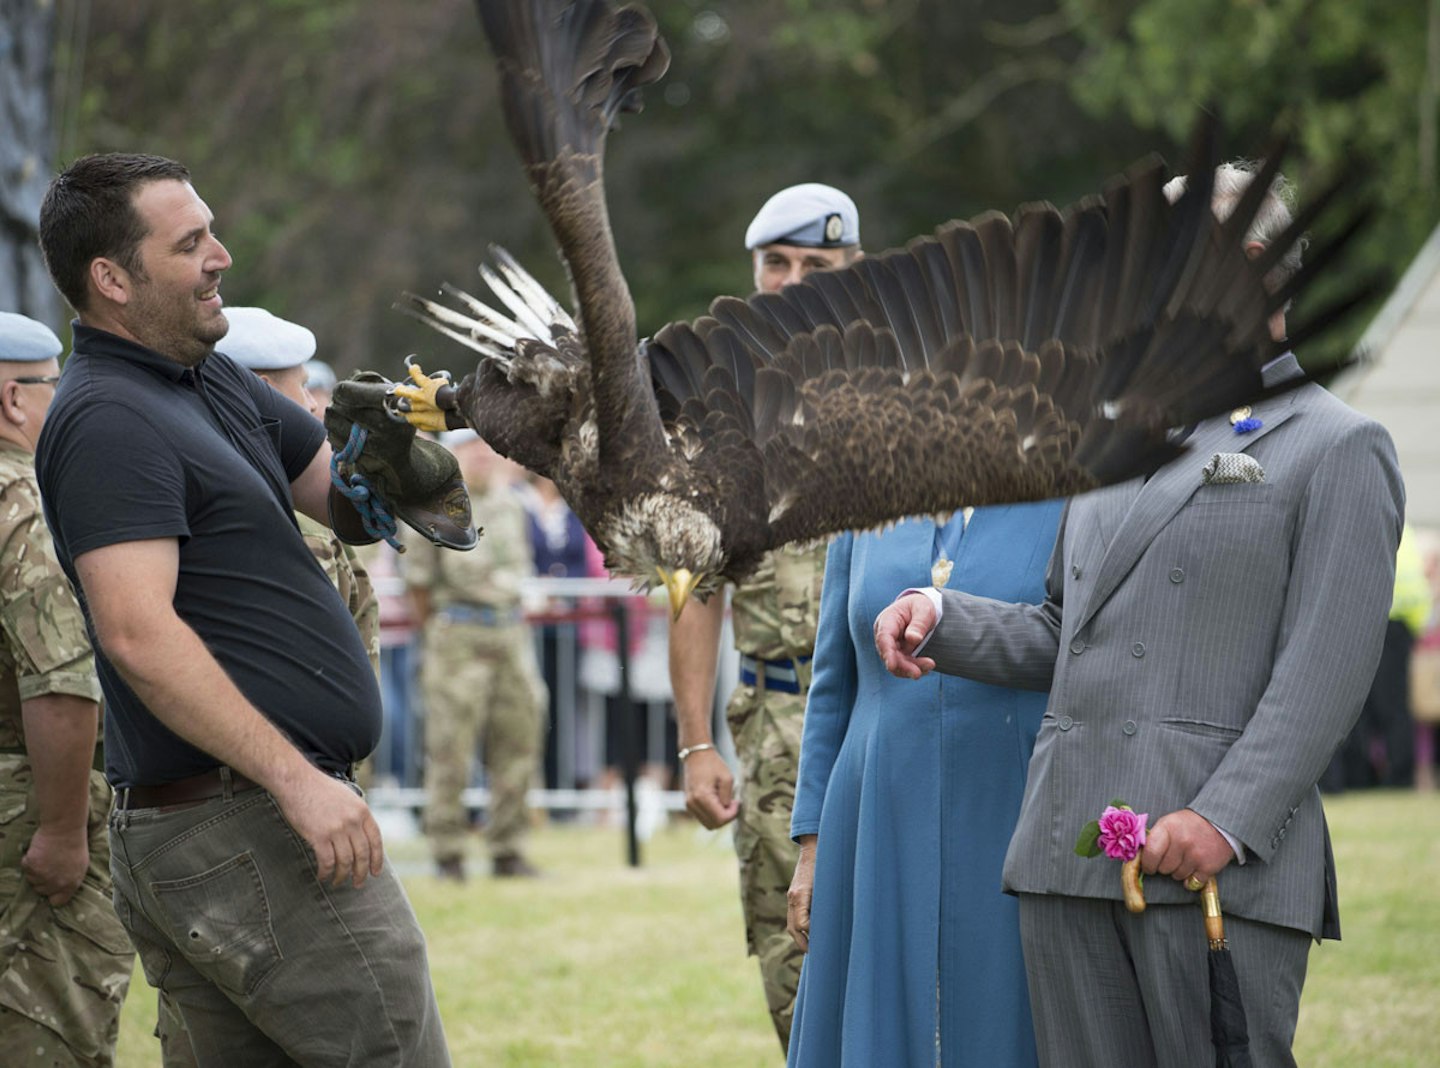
x,y
913,787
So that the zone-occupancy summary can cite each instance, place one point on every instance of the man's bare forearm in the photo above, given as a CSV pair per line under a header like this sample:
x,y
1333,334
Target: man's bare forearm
x,y
694,654
60,741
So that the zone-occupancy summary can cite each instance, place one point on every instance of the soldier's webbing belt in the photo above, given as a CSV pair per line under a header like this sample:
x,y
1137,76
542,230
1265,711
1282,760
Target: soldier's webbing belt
x,y
97,761
778,676
484,614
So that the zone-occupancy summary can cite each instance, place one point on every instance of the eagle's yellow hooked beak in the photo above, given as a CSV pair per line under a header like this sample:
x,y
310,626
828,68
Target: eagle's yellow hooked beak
x,y
678,584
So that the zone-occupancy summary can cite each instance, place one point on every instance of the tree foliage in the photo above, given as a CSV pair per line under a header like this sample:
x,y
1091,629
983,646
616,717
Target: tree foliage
x,y
352,149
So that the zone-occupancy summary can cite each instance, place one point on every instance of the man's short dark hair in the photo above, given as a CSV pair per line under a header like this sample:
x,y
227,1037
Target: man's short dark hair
x,y
89,211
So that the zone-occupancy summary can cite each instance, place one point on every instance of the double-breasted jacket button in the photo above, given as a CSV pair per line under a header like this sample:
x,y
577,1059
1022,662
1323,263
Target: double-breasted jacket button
x,y
1075,571
1138,649
1130,727
1065,723
1077,646
1177,575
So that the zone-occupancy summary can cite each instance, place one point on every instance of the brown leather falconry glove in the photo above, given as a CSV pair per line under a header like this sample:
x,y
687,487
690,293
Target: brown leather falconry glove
x,y
417,480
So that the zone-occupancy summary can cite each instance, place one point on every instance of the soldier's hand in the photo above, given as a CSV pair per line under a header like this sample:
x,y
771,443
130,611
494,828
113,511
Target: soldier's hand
x,y
337,824
709,789
55,863
800,894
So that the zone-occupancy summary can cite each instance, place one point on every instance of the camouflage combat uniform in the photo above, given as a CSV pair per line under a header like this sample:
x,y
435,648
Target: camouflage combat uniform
x,y
348,575
63,971
774,614
479,676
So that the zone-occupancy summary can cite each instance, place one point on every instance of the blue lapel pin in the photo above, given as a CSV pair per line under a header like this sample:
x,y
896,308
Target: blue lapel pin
x,y
1243,421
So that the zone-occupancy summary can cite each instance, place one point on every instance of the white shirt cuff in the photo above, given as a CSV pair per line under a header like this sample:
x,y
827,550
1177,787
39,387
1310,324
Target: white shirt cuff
x,y
1233,842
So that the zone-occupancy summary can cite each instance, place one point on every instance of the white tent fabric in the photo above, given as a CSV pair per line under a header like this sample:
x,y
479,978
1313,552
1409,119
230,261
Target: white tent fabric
x,y
1400,385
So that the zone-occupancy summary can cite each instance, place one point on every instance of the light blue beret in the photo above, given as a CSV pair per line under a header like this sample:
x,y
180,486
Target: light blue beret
x,y
23,340
319,375
265,342
809,215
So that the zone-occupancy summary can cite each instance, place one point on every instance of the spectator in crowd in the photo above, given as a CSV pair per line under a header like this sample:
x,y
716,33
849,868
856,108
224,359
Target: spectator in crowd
x,y
319,383
558,542
1380,749
479,675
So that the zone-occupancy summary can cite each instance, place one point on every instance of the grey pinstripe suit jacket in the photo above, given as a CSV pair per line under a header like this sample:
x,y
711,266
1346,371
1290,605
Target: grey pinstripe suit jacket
x,y
1206,646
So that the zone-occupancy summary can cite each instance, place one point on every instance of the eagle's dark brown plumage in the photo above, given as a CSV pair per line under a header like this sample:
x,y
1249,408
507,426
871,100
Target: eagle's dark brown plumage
x,y
997,360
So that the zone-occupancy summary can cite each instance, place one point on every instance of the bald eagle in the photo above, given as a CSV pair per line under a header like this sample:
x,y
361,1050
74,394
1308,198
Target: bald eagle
x,y
997,360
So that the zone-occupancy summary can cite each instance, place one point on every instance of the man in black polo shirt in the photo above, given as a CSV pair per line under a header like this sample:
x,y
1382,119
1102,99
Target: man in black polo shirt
x,y
248,870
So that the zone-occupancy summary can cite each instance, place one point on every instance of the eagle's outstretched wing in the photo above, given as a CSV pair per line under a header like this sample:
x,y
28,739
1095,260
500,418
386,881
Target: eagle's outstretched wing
x,y
994,361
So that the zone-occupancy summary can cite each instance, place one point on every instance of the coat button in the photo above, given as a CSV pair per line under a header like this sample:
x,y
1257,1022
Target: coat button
x,y
1066,723
1177,575
1138,649
1075,571
1077,646
1129,727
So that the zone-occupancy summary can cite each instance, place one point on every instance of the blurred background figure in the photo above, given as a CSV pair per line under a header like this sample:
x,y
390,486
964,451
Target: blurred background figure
x,y
398,758
478,671
320,382
1380,749
1425,668
557,541
650,693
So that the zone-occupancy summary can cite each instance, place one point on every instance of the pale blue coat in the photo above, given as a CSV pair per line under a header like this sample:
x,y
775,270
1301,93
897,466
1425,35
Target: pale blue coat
x,y
913,788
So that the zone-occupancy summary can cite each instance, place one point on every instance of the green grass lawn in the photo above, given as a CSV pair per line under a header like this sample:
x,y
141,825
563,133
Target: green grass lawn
x,y
599,964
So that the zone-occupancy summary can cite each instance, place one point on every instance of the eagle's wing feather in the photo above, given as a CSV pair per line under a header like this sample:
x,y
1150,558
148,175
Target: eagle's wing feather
x,y
996,360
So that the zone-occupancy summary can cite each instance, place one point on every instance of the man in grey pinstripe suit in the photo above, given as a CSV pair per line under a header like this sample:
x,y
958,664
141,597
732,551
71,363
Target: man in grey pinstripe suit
x,y
1207,639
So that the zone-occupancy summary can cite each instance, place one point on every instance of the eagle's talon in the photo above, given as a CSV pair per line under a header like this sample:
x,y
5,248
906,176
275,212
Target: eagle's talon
x,y
419,404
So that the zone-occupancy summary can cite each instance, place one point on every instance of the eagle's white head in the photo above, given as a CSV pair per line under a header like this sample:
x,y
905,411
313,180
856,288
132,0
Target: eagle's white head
x,y
661,537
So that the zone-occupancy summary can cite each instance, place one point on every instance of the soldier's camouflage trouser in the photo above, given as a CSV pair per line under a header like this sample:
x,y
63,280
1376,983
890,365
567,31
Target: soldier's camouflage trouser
x,y
63,971
480,683
766,729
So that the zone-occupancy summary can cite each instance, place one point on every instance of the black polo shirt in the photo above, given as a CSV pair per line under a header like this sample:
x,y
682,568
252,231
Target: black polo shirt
x,y
137,447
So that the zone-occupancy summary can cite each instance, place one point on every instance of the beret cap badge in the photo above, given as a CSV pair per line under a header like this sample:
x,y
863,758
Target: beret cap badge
x,y
834,226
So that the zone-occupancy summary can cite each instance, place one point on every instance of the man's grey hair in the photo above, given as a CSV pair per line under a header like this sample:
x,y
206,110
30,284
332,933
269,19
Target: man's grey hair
x,y
1271,220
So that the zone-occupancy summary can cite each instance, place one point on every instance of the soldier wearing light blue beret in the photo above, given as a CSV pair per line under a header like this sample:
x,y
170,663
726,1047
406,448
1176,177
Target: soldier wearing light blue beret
x,y
804,228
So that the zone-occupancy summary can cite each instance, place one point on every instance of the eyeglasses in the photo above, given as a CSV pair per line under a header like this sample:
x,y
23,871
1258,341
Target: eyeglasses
x,y
37,380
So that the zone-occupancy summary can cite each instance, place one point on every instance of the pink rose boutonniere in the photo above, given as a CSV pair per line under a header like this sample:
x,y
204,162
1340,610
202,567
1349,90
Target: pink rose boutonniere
x,y
1119,833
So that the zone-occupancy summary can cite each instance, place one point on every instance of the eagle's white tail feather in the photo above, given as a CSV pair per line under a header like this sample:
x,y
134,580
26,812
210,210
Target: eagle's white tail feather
x,y
524,283
486,324
526,316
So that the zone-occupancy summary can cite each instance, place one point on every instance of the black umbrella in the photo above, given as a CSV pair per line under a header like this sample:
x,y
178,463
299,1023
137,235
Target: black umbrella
x,y
1228,1031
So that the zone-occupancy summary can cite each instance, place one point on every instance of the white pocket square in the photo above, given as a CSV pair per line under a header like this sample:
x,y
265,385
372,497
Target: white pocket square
x,y
1231,468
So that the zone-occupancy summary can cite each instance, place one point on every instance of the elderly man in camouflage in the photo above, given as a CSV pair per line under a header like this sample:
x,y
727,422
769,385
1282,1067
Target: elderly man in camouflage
x,y
65,960
798,230
479,674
